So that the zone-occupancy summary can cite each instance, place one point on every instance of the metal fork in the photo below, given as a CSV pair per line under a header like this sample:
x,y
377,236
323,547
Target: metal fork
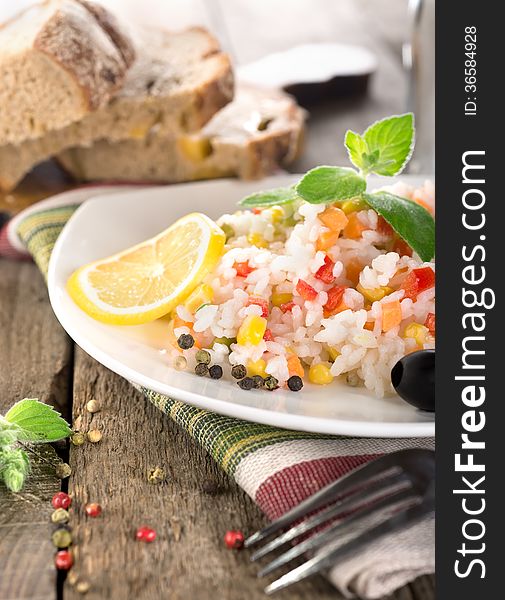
x,y
398,487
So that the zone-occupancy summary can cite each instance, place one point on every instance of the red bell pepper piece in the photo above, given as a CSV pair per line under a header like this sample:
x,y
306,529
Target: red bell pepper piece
x,y
335,295
243,269
259,302
325,273
306,291
430,323
417,281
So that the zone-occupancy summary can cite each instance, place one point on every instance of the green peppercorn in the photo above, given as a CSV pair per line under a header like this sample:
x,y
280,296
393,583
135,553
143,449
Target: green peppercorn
x,y
185,341
201,369
271,383
238,371
295,383
258,381
78,439
202,356
62,538
216,372
246,384
63,470
60,515
156,475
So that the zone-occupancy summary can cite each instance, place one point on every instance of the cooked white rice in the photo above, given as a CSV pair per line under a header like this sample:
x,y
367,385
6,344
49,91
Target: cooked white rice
x,y
365,354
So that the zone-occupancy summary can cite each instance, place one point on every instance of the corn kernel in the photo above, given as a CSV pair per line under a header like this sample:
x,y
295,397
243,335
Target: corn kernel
x,y
203,294
417,332
256,239
352,205
257,367
372,295
333,353
252,330
277,214
195,148
320,374
279,298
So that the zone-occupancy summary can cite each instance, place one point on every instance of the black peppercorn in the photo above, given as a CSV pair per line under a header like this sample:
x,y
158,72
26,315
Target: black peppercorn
x,y
246,384
185,341
295,383
216,372
238,371
201,369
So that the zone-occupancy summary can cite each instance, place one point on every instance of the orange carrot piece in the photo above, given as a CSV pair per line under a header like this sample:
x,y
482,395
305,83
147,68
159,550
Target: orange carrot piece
x,y
334,218
326,240
295,366
354,228
391,315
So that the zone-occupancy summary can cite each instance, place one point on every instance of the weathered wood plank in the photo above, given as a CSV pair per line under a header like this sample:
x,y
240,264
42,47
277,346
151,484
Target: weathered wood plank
x,y
136,437
34,362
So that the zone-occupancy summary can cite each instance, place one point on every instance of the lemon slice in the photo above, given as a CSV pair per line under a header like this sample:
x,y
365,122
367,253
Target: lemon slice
x,y
147,281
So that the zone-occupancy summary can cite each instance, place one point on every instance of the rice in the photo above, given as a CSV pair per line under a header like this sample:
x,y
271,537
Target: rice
x,y
351,338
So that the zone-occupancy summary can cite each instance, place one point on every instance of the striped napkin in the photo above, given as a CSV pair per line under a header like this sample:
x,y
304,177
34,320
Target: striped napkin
x,y
278,468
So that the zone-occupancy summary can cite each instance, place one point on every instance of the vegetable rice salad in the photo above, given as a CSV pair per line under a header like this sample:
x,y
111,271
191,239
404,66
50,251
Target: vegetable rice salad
x,y
309,293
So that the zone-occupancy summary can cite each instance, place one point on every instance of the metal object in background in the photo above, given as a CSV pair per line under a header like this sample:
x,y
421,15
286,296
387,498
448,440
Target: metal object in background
x,y
418,57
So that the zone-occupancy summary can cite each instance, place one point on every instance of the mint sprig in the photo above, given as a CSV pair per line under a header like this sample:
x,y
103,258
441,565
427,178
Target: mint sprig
x,y
385,147
27,421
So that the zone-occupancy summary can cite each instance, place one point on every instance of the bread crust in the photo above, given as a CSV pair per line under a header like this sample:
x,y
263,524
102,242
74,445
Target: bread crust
x,y
157,93
88,44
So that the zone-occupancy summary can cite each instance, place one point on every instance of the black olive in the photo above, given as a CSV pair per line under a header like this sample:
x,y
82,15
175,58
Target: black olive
x,y
413,377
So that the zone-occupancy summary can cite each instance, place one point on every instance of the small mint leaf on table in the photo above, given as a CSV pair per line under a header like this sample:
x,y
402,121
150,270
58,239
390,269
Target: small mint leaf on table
x,y
412,222
324,185
273,197
37,422
385,147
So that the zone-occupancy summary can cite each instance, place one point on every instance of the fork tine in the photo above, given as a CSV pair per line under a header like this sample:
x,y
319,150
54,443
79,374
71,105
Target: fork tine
x,y
327,535
329,493
329,556
347,503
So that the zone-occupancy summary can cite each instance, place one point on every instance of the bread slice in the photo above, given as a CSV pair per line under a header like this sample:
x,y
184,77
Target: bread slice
x,y
59,60
177,83
251,137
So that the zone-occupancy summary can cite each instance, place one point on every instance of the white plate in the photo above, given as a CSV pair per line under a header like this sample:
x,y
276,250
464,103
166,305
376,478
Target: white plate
x,y
112,222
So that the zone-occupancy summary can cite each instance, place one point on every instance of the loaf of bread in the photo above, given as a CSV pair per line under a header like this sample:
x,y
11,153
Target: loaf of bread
x,y
59,61
251,137
176,84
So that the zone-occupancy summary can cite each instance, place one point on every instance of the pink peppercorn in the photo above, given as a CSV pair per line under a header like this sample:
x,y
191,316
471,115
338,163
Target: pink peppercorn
x,y
61,500
145,534
234,539
93,509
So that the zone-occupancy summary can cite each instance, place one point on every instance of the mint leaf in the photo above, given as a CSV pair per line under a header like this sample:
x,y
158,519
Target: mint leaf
x,y
412,222
356,149
385,147
272,197
37,422
324,185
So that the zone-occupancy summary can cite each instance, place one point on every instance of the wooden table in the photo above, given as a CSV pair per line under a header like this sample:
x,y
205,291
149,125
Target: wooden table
x,y
197,503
